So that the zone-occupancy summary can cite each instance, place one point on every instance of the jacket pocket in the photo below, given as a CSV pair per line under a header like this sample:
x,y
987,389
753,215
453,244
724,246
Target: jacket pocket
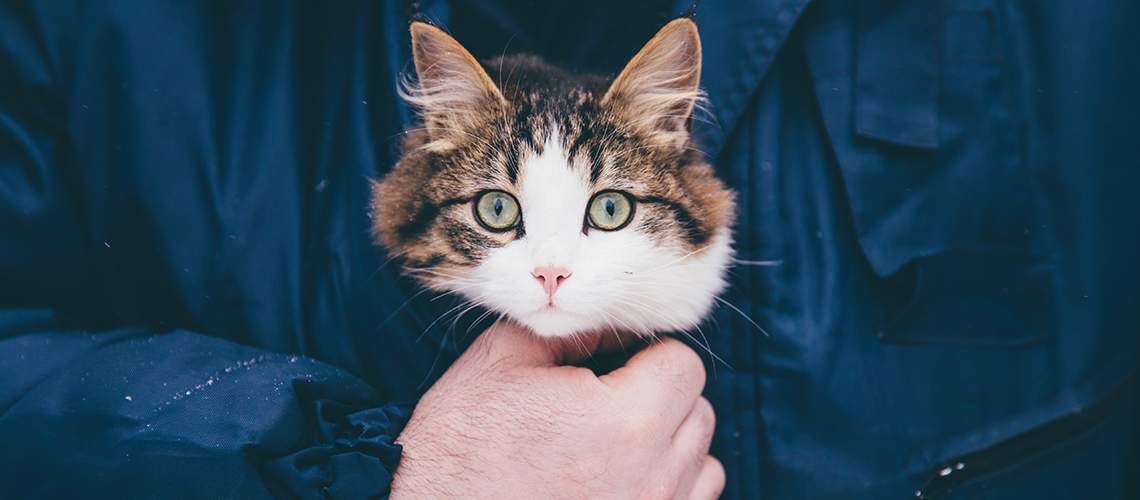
x,y
989,297
1111,415
921,113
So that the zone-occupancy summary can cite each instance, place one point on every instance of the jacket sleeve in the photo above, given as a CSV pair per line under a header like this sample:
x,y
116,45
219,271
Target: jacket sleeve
x,y
139,413
90,410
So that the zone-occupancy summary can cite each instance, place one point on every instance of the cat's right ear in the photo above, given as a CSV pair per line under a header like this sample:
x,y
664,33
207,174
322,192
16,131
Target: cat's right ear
x,y
452,90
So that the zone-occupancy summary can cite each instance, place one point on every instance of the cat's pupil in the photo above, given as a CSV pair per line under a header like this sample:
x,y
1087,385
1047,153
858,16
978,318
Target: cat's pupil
x,y
498,206
611,207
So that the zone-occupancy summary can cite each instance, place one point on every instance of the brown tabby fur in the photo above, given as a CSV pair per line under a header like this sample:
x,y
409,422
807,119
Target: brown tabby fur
x,y
422,210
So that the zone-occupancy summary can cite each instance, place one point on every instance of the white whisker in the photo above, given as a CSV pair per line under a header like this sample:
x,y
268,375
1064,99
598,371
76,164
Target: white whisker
x,y
760,263
745,316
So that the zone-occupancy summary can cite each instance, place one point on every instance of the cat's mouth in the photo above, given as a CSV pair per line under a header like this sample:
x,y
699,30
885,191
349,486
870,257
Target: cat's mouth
x,y
554,321
551,308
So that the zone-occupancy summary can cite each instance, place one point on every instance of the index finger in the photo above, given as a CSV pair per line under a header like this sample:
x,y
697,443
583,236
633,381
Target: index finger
x,y
666,377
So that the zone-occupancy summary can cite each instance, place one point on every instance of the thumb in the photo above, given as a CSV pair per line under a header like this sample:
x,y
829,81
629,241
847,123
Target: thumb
x,y
510,343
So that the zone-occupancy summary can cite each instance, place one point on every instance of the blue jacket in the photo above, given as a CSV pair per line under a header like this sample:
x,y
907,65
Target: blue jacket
x,y
191,305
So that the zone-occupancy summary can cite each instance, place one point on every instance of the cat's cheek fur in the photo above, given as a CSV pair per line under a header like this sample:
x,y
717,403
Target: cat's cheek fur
x,y
621,281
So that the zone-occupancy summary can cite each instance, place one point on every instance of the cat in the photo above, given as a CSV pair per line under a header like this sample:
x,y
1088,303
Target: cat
x,y
568,203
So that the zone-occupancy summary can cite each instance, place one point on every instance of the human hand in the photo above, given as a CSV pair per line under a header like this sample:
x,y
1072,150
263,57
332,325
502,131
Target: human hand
x,y
507,421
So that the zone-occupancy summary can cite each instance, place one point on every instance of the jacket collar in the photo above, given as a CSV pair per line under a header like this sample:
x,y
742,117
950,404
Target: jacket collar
x,y
740,39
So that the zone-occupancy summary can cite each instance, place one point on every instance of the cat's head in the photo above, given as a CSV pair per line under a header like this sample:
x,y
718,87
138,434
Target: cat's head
x,y
570,204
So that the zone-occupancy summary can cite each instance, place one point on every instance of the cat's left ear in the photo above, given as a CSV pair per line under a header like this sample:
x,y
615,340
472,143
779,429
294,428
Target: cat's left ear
x,y
660,86
452,90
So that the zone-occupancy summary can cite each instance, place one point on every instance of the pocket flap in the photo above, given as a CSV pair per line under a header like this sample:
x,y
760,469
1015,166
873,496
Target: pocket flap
x,y
929,147
896,72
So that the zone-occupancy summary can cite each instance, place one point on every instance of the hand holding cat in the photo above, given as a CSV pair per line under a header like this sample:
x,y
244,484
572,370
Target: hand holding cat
x,y
506,419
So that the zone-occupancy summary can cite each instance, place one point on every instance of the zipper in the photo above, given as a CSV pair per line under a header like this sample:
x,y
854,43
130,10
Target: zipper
x,y
1010,452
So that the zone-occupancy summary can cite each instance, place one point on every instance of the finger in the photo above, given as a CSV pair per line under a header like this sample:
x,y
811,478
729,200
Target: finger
x,y
691,444
695,433
664,378
513,344
710,480
508,343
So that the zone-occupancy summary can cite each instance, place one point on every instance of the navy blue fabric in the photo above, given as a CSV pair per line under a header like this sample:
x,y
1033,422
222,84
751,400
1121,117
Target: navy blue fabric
x,y
190,303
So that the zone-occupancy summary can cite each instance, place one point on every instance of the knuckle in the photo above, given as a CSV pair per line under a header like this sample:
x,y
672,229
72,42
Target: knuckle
x,y
687,364
694,367
715,471
629,410
629,428
705,415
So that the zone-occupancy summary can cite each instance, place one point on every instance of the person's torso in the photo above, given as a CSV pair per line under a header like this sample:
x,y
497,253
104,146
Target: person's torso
x,y
914,314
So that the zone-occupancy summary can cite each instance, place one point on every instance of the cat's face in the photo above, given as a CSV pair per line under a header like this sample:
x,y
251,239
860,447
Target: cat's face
x,y
569,204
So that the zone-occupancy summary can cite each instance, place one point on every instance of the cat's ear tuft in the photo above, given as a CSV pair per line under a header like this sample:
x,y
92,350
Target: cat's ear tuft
x,y
660,86
451,89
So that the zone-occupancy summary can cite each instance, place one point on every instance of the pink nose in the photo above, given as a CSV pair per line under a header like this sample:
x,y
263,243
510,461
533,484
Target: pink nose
x,y
550,277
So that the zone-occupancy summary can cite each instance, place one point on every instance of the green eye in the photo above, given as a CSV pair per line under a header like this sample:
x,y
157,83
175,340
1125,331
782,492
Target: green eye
x,y
497,210
610,210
